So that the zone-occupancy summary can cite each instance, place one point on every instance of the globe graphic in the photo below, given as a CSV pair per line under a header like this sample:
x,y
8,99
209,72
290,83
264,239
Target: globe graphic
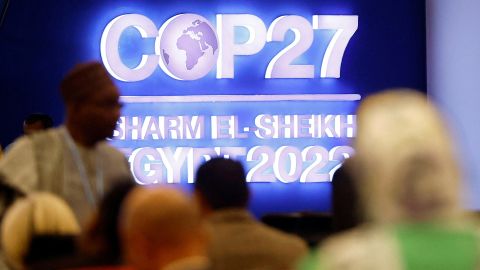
x,y
188,47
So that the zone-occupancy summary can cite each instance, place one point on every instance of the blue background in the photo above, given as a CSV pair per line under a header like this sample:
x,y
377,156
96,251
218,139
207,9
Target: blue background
x,y
41,40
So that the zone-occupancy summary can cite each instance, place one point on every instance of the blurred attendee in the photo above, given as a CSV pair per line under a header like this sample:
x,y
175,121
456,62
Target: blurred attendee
x,y
238,240
101,240
38,228
162,229
73,160
345,203
36,122
409,186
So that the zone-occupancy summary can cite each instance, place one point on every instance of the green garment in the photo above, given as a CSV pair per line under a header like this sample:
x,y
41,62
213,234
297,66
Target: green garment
x,y
434,247
311,262
422,247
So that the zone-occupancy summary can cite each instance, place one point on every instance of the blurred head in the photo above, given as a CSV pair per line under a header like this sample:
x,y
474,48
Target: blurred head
x,y
405,159
220,183
36,122
32,217
92,100
346,212
160,226
101,238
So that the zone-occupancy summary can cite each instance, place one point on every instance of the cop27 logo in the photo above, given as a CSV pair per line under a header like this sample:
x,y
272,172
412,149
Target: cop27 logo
x,y
187,46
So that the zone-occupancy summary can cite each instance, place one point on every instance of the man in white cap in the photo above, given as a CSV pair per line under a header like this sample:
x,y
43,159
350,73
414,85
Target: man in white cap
x,y
73,161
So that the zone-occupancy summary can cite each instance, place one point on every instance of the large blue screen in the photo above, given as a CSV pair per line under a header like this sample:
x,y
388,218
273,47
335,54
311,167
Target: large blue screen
x,y
274,84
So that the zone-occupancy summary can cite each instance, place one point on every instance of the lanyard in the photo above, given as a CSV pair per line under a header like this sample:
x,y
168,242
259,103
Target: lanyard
x,y
87,187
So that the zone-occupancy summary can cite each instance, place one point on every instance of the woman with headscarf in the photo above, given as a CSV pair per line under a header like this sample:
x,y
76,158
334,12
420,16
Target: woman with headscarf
x,y
409,185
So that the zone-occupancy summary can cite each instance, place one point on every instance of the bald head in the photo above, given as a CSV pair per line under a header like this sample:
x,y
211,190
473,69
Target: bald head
x,y
148,209
160,225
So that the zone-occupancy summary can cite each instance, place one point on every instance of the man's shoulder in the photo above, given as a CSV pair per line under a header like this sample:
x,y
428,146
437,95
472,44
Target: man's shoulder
x,y
114,161
31,145
29,157
111,156
106,148
254,229
284,238
248,244
48,135
48,143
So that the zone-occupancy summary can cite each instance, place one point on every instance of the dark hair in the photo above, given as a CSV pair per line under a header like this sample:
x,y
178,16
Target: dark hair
x,y
46,119
346,209
221,182
105,228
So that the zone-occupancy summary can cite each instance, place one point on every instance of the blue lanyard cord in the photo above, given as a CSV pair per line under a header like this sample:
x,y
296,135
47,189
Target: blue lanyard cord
x,y
87,187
